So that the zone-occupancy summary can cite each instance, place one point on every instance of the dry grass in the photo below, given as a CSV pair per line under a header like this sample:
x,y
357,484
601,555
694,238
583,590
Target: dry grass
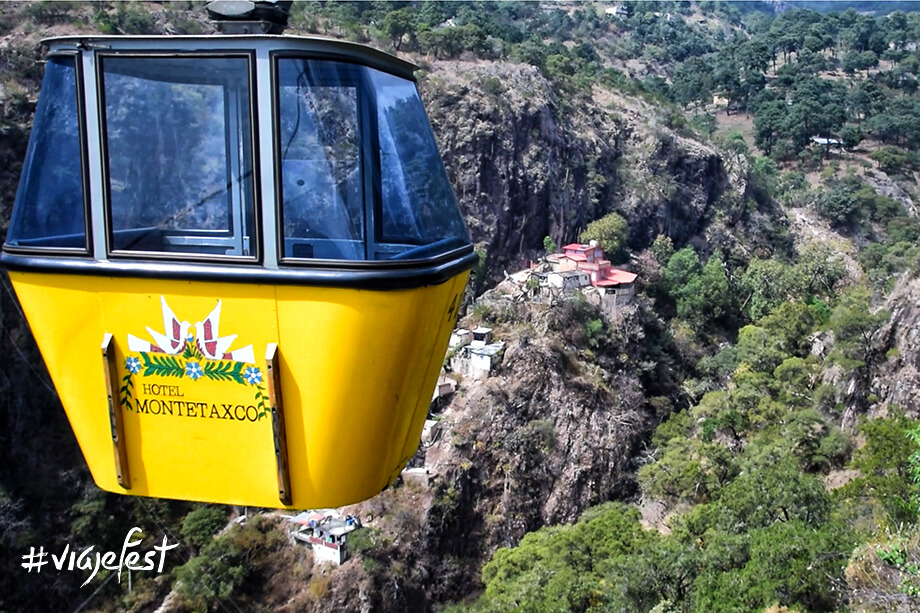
x,y
741,123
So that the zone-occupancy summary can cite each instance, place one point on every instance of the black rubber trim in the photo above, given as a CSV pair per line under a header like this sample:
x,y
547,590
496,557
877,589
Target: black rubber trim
x,y
418,275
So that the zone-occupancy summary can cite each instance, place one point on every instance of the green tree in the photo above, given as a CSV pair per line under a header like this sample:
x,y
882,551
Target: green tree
x,y
226,563
867,60
854,325
759,349
840,207
850,62
850,136
397,24
816,110
662,248
610,232
683,266
790,563
689,470
889,159
764,285
200,526
817,270
556,568
770,124
706,297
660,577
692,81
884,464
791,325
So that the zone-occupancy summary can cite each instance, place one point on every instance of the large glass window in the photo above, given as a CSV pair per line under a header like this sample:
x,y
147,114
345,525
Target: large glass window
x,y
49,209
322,180
178,142
361,177
419,216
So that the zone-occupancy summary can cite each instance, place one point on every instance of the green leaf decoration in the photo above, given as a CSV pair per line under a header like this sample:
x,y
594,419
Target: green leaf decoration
x,y
172,366
262,399
162,365
224,370
126,395
191,352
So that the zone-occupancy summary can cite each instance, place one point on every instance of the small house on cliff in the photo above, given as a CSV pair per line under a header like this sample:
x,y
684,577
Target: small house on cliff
x,y
477,359
584,266
326,533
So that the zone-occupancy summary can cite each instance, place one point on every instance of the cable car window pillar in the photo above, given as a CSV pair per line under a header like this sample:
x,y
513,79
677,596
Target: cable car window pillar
x,y
233,144
269,191
94,156
368,131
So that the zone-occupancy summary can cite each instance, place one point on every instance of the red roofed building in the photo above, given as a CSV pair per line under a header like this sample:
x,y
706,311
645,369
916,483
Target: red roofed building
x,y
616,277
590,259
585,253
612,287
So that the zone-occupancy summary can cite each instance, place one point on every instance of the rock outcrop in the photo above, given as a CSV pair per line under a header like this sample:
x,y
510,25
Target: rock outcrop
x,y
526,164
896,381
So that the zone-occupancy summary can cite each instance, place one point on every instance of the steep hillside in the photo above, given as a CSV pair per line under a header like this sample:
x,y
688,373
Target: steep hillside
x,y
527,163
557,430
896,379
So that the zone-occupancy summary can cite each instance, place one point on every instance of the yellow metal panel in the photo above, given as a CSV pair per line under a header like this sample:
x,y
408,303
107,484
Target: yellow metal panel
x,y
357,371
442,324
369,353
65,315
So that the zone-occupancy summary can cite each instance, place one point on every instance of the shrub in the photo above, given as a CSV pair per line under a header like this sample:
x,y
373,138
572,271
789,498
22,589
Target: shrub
x,y
493,86
47,12
200,526
890,159
610,232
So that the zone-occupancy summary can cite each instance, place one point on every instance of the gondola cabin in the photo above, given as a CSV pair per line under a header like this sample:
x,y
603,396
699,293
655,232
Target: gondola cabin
x,y
241,259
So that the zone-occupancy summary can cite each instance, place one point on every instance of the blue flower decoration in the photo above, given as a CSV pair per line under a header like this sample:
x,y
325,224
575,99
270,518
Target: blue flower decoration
x,y
133,365
252,375
193,370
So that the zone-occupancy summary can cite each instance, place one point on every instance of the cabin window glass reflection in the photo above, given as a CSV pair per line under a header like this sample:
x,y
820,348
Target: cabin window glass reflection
x,y
178,144
419,215
321,179
49,211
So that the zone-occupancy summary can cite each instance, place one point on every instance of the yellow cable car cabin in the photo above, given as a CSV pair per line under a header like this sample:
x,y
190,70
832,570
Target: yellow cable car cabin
x,y
241,259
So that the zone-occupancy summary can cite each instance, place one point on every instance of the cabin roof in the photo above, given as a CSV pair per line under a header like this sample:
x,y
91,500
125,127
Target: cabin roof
x,y
241,42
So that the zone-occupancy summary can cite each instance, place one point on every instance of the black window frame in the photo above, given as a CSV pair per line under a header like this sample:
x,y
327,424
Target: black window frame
x,y
87,249
369,164
256,259
370,167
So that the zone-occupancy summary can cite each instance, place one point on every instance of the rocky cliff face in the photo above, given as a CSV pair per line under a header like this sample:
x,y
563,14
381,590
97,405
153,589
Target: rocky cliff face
x,y
896,381
547,438
526,163
523,168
